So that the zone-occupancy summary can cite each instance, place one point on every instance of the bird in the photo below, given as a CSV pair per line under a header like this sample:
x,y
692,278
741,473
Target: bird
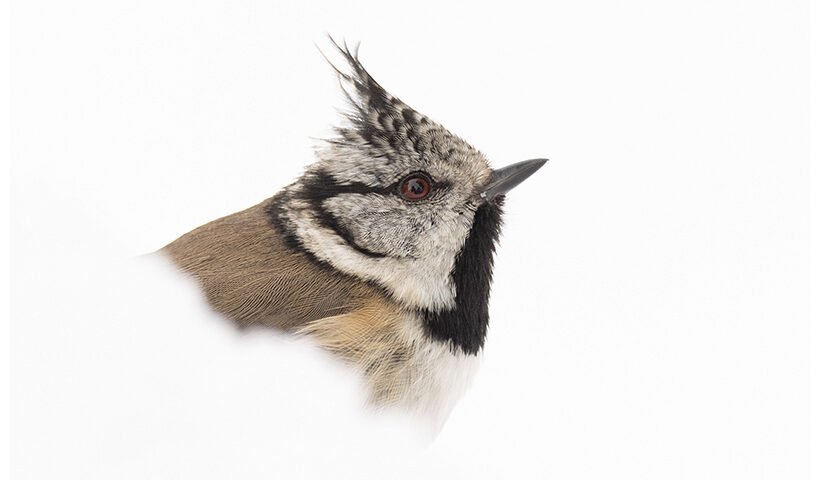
x,y
381,252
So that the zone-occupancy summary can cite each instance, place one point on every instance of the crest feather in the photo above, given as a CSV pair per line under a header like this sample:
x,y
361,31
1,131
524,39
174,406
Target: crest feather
x,y
377,120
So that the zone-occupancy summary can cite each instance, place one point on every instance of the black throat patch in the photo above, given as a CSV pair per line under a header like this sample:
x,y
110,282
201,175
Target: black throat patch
x,y
465,326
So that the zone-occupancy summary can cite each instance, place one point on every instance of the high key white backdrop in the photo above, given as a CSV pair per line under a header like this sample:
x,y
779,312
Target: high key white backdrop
x,y
650,311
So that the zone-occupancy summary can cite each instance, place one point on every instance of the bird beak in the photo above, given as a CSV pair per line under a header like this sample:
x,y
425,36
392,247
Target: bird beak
x,y
505,179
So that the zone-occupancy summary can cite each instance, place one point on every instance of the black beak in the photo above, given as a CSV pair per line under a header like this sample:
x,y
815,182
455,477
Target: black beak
x,y
505,179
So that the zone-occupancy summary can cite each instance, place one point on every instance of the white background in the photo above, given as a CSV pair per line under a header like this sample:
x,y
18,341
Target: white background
x,y
650,314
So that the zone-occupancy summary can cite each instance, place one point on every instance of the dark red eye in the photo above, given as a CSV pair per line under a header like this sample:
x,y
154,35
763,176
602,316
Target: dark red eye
x,y
415,187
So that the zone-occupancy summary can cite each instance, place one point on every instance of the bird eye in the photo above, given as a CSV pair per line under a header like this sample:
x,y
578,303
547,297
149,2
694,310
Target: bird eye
x,y
415,186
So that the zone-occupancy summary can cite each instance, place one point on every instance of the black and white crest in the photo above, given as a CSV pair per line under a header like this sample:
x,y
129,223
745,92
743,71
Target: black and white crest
x,y
377,118
384,125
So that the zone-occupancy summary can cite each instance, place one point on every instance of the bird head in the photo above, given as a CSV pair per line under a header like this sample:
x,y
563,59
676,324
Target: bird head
x,y
396,200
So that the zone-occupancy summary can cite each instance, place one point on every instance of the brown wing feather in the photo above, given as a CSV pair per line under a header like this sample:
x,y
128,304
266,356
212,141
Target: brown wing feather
x,y
249,274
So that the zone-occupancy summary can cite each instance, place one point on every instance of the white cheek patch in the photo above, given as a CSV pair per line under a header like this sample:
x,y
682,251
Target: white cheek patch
x,y
379,223
422,281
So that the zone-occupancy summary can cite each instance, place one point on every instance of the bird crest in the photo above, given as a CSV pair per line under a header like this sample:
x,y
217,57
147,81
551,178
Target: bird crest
x,y
381,125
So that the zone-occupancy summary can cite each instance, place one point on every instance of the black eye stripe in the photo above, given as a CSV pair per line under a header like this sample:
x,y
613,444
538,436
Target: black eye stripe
x,y
321,185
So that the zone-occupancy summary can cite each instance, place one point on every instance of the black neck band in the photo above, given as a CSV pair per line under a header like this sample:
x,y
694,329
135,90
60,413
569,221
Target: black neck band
x,y
465,326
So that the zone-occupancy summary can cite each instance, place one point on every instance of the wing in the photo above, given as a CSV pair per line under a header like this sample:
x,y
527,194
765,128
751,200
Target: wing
x,y
249,274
